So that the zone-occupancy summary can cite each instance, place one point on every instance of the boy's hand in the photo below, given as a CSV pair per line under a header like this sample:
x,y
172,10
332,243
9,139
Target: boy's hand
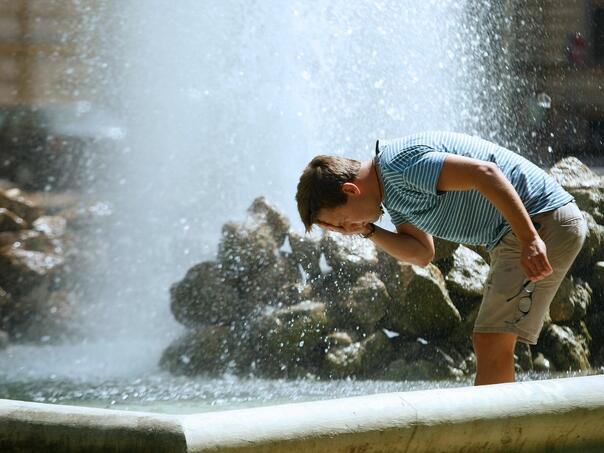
x,y
534,260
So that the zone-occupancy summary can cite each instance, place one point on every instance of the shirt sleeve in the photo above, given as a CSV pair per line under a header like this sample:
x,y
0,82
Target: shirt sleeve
x,y
397,218
419,167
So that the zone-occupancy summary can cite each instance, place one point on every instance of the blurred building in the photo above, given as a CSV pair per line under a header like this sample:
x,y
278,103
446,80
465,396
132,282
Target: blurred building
x,y
565,61
44,48
54,75
52,100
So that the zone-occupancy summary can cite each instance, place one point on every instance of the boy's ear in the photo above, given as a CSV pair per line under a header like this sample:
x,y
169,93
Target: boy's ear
x,y
350,188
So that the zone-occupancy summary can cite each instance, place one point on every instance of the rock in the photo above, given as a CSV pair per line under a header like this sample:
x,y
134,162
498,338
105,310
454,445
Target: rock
x,y
466,279
31,240
443,249
423,360
397,370
204,297
566,349
306,250
246,251
540,363
329,288
16,202
263,214
51,203
591,201
282,284
595,325
31,260
292,294
4,341
461,337
5,300
523,357
421,305
361,358
582,183
276,286
598,358
200,351
7,310
51,226
593,248
571,301
349,256
24,309
252,263
337,339
596,281
286,342
85,216
482,251
583,332
43,317
363,306
10,221
571,173
470,361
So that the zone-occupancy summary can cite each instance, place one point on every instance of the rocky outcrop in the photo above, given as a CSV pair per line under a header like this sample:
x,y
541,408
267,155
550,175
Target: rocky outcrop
x,y
571,301
348,256
583,184
593,248
287,341
363,307
280,304
566,348
359,358
204,297
35,304
421,303
466,278
207,348
306,251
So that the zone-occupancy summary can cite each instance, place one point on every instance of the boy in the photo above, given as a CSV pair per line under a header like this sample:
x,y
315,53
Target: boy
x,y
466,190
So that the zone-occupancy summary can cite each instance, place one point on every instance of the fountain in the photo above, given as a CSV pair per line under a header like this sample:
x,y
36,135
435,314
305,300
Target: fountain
x,y
218,104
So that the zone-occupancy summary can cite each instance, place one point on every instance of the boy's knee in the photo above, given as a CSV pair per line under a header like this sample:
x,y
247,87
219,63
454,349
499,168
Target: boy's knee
x,y
494,344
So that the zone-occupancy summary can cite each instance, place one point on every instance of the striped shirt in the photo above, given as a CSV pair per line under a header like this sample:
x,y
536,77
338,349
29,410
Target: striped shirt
x,y
410,167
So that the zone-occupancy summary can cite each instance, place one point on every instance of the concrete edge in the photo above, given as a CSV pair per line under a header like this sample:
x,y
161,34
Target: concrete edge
x,y
552,415
26,426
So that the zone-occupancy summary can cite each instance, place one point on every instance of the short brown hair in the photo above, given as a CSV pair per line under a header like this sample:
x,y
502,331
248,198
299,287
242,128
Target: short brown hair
x,y
320,185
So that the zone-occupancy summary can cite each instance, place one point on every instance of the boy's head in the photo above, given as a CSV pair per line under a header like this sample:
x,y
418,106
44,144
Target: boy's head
x,y
339,194
320,186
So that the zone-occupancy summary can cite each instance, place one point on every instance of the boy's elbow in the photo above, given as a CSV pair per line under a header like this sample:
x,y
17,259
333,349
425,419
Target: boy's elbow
x,y
486,172
425,261
429,255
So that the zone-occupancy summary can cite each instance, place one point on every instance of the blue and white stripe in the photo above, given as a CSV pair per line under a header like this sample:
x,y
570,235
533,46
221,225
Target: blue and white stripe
x,y
410,167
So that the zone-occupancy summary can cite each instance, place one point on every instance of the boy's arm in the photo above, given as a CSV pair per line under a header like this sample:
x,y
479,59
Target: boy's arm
x,y
463,173
408,244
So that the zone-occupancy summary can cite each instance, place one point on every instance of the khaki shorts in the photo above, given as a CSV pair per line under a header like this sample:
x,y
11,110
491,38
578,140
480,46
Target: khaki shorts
x,y
512,303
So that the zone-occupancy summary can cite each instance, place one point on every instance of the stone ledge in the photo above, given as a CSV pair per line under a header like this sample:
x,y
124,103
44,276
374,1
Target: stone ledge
x,y
564,415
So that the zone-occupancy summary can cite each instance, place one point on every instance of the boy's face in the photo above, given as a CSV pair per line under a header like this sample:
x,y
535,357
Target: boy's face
x,y
351,217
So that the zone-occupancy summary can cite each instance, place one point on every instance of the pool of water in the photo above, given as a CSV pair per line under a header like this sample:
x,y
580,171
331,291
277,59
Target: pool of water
x,y
80,375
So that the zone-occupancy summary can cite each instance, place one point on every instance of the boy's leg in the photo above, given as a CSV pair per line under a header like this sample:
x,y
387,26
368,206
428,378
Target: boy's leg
x,y
512,309
494,357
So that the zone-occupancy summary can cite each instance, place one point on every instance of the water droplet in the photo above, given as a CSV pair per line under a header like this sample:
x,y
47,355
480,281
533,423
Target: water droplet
x,y
544,101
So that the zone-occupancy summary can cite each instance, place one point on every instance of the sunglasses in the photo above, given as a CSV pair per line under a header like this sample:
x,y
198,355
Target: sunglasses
x,y
525,300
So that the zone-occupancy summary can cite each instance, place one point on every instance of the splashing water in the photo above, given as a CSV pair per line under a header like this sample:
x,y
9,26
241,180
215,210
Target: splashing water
x,y
222,102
